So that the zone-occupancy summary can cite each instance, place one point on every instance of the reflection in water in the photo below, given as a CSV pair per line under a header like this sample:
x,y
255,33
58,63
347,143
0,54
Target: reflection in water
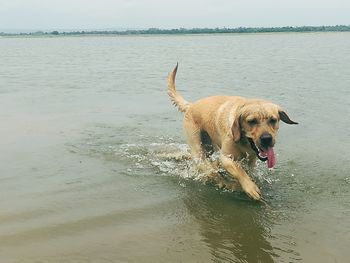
x,y
235,230
234,227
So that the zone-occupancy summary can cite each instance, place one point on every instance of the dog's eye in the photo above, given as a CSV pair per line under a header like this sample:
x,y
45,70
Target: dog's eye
x,y
273,121
253,122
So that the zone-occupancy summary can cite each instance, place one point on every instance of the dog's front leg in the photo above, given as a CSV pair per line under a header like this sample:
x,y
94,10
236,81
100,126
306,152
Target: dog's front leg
x,y
238,173
213,176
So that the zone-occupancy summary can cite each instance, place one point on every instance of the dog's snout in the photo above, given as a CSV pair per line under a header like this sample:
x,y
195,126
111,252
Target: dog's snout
x,y
266,140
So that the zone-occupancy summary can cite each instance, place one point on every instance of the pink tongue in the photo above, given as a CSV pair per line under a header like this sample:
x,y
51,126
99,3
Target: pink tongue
x,y
271,158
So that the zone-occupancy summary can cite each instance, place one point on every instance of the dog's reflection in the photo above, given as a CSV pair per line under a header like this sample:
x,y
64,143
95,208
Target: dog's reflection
x,y
235,229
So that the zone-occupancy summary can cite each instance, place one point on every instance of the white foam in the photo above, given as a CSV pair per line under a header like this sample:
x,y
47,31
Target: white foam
x,y
173,159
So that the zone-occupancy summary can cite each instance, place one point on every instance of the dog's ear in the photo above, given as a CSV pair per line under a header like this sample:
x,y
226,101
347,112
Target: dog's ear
x,y
285,118
236,130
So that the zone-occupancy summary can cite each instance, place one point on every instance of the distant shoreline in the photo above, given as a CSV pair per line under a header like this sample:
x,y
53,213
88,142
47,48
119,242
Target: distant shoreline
x,y
183,31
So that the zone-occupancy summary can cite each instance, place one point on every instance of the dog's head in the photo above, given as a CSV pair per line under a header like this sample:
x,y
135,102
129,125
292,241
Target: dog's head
x,y
258,122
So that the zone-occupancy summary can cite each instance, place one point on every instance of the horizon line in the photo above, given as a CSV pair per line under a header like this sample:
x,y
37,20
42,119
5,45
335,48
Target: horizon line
x,y
154,30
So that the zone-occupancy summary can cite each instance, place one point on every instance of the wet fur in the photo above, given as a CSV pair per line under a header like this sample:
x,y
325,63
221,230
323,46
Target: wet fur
x,y
222,123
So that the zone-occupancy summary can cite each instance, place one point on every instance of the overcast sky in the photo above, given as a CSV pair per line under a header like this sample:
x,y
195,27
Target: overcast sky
x,y
117,14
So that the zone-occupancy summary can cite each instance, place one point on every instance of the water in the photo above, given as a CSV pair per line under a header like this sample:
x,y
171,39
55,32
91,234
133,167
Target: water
x,y
93,160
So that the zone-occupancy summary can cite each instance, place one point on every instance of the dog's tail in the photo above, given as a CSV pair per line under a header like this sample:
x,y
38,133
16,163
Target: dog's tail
x,y
175,96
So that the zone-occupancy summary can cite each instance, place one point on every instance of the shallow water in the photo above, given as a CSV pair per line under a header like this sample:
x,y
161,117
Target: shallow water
x,y
93,165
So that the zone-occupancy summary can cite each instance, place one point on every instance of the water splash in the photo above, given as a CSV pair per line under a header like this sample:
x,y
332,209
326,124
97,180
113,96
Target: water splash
x,y
174,159
168,158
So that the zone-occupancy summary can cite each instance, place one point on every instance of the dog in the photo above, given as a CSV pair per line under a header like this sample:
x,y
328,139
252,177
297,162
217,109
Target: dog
x,y
240,129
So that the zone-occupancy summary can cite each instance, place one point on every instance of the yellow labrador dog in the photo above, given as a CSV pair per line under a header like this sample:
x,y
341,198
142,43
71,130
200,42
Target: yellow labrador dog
x,y
239,128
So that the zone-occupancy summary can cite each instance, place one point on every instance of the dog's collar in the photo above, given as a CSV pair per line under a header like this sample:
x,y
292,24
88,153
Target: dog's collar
x,y
256,150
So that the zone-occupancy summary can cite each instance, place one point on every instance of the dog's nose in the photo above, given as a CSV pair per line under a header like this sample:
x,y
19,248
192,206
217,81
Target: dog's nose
x,y
266,140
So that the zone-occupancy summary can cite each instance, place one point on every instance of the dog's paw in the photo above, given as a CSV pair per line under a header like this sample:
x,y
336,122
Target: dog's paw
x,y
251,189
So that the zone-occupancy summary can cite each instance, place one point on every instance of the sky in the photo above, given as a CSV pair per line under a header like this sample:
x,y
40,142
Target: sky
x,y
141,14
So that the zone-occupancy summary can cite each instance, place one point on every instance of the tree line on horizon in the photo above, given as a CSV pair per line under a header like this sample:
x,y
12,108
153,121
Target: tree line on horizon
x,y
158,31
